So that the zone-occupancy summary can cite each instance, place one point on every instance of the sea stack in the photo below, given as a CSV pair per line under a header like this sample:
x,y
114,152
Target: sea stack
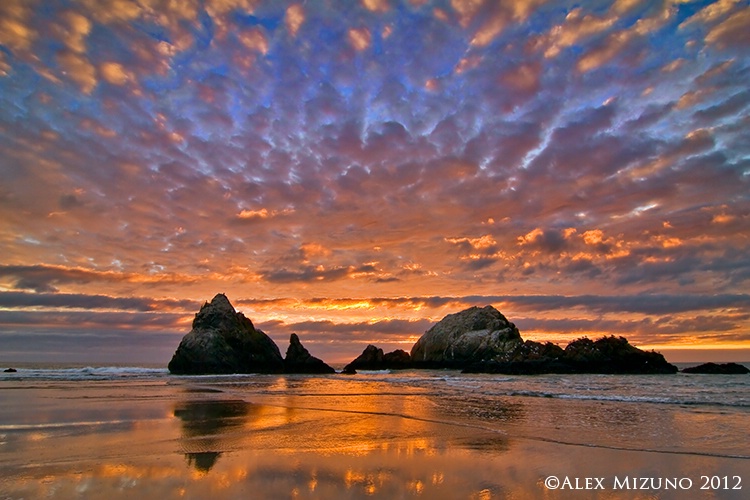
x,y
470,336
225,341
299,360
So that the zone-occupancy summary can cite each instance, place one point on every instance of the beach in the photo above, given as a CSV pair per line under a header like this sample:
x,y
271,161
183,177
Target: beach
x,y
131,432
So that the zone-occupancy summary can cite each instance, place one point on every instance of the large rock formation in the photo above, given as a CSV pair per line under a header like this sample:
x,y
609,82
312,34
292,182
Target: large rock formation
x,y
718,369
470,336
605,355
225,341
373,358
614,355
299,360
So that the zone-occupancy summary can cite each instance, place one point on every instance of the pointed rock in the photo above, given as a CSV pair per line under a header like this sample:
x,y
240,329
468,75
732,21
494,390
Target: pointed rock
x,y
225,341
299,360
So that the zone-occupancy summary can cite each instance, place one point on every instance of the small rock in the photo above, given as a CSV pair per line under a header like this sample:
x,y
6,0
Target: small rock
x,y
299,360
718,369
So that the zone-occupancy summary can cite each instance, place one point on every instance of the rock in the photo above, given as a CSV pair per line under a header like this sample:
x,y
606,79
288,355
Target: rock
x,y
299,360
10,370
533,351
225,341
373,358
397,360
370,359
605,355
614,355
470,336
718,369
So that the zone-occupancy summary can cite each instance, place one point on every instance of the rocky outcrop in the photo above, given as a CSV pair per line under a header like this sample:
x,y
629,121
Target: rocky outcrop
x,y
718,369
373,358
225,341
397,360
605,355
475,340
299,360
614,355
470,336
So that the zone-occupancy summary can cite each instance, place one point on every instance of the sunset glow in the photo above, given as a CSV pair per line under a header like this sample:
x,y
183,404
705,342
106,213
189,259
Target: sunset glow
x,y
353,174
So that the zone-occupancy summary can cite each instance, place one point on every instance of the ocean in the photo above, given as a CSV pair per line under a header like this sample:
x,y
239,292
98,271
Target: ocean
x,y
109,431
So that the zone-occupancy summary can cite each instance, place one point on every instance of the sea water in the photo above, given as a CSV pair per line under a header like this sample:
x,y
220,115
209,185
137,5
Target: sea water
x,y
692,413
122,430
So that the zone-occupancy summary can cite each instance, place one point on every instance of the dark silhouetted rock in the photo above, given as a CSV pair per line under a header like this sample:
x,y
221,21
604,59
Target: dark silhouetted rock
x,y
470,336
10,370
225,341
370,359
605,355
373,358
299,360
614,355
718,369
397,360
533,351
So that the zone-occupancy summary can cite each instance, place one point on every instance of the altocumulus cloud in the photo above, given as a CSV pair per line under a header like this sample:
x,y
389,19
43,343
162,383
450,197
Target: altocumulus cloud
x,y
536,155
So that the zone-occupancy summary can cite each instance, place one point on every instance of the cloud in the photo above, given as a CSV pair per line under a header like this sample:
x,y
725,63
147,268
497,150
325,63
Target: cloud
x,y
359,38
295,17
42,278
380,150
83,301
731,32
549,240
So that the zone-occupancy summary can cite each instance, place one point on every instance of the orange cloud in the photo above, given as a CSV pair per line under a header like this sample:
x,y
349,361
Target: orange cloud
x,y
376,5
485,241
76,31
360,38
489,30
593,237
78,69
254,39
711,12
466,9
733,31
577,27
295,16
114,73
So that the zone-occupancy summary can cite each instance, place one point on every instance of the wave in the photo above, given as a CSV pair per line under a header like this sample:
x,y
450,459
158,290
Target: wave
x,y
630,399
86,373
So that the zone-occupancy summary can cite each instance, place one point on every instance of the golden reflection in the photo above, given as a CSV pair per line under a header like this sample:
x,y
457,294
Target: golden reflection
x,y
314,437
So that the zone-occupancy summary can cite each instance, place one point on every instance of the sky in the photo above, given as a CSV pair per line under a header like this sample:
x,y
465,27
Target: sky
x,y
355,171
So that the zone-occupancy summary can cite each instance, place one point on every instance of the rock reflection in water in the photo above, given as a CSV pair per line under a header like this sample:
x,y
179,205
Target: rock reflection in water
x,y
204,424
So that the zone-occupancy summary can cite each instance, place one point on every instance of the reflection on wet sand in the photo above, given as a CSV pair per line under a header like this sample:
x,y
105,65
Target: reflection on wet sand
x,y
203,426
314,438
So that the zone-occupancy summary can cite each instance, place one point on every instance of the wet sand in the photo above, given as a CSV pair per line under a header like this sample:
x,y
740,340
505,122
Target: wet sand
x,y
188,438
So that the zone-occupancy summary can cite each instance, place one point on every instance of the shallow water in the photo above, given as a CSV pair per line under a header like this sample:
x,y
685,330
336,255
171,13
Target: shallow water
x,y
119,432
